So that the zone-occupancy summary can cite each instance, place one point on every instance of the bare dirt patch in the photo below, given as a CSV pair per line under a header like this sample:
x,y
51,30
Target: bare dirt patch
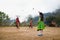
x,y
25,33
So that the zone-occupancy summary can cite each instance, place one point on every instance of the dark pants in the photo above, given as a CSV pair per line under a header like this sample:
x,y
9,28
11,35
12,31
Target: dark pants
x,y
17,26
30,26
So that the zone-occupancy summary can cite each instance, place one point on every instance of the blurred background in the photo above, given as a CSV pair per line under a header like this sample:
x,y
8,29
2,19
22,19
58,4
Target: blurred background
x,y
26,9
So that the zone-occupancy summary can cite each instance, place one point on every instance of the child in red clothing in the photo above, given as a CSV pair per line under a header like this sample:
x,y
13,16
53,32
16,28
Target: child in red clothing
x,y
17,22
30,26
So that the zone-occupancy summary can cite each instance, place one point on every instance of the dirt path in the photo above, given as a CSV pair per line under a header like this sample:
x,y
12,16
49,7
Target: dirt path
x,y
25,33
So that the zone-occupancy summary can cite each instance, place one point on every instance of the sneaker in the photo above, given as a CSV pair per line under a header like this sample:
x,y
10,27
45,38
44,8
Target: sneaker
x,y
40,34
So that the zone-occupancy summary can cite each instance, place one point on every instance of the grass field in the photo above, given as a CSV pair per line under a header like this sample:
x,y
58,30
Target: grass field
x,y
25,33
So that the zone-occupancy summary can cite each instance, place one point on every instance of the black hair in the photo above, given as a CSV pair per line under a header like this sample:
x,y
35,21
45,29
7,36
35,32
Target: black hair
x,y
41,16
30,18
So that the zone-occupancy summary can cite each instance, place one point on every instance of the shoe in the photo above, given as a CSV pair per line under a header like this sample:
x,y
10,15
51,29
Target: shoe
x,y
40,34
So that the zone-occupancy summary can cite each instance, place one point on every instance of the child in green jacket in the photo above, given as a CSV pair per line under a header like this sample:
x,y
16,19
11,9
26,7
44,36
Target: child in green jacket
x,y
41,24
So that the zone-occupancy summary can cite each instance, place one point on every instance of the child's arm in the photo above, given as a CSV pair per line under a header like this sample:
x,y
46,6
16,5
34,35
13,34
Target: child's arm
x,y
38,20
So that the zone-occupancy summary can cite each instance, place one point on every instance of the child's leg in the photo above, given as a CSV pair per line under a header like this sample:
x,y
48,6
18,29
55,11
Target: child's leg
x,y
18,25
40,33
31,26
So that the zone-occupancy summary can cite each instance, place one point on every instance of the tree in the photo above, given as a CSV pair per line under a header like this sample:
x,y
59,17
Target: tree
x,y
55,16
3,18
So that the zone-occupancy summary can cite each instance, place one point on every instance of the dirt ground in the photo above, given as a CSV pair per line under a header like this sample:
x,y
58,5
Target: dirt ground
x,y
25,33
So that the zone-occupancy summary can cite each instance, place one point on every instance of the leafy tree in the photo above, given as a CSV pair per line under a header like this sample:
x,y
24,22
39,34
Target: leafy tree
x,y
3,18
54,17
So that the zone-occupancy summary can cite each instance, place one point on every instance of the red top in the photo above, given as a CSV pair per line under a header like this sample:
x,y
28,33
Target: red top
x,y
30,22
17,20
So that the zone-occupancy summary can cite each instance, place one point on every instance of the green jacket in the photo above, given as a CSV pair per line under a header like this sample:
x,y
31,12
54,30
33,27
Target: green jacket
x,y
41,25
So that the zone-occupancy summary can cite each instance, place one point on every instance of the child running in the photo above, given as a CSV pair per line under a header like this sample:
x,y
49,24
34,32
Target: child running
x,y
17,22
41,25
30,26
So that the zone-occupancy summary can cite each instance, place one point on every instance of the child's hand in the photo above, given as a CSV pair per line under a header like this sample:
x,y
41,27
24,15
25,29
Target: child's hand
x,y
37,29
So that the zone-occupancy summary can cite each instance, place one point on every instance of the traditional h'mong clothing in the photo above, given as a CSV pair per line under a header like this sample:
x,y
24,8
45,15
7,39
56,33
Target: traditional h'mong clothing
x,y
17,21
30,24
41,25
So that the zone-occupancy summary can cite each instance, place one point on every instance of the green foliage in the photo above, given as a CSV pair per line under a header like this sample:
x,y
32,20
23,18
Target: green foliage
x,y
48,17
29,17
54,17
3,18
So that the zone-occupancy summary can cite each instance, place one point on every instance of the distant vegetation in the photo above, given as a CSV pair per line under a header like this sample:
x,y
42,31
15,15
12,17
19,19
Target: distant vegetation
x,y
54,16
4,19
48,18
